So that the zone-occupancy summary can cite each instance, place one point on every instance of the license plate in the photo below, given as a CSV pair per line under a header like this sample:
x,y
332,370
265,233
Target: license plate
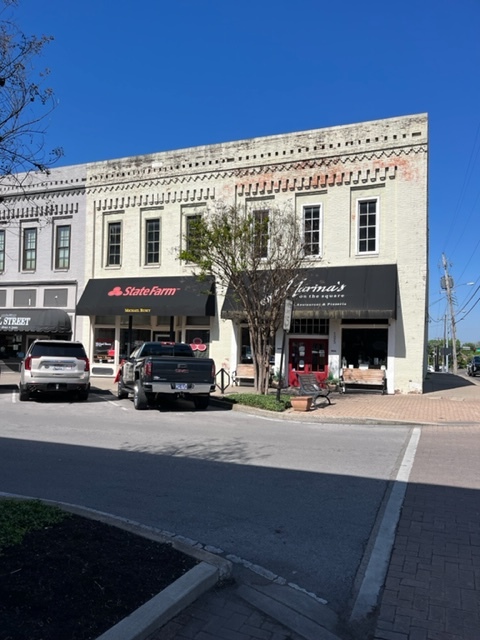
x,y
181,386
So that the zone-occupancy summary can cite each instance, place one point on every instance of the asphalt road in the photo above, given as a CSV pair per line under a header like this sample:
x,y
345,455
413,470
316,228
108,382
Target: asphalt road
x,y
297,498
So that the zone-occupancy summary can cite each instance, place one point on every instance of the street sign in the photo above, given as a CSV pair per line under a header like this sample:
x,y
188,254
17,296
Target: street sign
x,y
287,318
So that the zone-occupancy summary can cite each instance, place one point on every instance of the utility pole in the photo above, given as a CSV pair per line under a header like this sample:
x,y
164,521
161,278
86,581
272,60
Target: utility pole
x,y
447,284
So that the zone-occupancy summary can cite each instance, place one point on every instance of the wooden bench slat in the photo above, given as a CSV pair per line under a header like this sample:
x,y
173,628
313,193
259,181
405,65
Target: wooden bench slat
x,y
244,372
366,377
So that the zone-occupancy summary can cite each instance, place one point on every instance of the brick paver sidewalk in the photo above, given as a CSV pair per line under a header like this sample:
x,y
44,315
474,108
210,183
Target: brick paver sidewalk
x,y
432,590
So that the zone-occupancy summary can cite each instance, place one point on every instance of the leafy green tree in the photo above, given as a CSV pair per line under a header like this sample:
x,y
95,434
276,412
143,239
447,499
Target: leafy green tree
x,y
25,101
257,254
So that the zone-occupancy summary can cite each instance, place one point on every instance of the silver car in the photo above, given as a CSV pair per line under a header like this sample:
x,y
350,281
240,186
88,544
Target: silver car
x,y
55,366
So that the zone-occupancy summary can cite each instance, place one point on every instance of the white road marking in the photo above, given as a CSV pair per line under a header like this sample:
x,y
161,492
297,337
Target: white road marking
x,y
377,566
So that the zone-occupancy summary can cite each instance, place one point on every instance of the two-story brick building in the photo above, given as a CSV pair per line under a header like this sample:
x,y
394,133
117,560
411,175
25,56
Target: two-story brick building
x,y
42,257
360,194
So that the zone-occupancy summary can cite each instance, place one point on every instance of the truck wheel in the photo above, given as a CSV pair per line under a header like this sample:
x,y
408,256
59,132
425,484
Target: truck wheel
x,y
83,395
140,401
201,403
122,393
23,394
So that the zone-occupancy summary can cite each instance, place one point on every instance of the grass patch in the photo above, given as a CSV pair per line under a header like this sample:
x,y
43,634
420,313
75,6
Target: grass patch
x,y
269,402
19,517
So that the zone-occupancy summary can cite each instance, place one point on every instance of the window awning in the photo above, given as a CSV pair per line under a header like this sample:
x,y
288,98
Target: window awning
x,y
163,296
337,292
35,321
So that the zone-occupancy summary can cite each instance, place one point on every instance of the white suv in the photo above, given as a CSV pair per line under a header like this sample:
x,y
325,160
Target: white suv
x,y
55,366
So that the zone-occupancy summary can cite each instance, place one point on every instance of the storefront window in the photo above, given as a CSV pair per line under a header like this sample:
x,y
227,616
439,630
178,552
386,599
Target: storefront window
x,y
137,338
104,345
364,348
105,320
310,326
199,340
246,350
138,320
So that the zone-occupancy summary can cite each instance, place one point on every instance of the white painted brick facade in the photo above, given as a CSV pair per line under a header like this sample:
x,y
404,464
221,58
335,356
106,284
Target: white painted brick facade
x,y
385,159
332,167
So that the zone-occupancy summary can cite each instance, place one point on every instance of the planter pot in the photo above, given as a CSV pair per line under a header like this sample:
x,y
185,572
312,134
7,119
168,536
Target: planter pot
x,y
301,403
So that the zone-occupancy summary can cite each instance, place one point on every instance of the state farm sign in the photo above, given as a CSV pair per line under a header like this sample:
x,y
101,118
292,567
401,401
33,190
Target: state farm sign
x,y
144,291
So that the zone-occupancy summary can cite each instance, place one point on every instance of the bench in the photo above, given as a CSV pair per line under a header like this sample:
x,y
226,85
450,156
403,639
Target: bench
x,y
309,386
363,379
244,372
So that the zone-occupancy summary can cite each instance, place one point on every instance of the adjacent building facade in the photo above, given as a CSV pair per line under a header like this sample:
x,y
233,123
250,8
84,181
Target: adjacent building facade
x,y
359,193
42,257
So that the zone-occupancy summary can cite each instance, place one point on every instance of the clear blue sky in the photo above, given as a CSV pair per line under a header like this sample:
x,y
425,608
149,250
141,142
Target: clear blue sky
x,y
140,77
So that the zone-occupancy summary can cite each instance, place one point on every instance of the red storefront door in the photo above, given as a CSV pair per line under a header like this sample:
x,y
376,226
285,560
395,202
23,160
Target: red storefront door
x,y
308,355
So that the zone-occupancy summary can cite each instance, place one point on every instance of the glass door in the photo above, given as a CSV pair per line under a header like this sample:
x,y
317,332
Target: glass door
x,y
307,355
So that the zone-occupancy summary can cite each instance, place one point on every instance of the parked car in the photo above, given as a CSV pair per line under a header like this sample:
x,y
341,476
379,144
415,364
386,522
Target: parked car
x,y
473,367
166,370
55,366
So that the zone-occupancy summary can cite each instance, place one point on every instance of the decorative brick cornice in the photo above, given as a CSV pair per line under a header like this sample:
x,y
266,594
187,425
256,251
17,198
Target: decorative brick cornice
x,y
308,175
25,210
154,199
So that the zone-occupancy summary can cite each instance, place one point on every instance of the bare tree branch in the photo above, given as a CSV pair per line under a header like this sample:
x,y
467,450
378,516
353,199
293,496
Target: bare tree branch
x,y
25,101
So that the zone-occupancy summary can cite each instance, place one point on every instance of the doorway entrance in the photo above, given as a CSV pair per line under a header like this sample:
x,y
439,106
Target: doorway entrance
x,y
307,355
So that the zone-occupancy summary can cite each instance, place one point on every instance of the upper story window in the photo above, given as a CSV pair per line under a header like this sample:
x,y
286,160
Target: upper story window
x,y
190,222
260,232
312,230
114,243
2,250
29,257
62,247
367,226
152,241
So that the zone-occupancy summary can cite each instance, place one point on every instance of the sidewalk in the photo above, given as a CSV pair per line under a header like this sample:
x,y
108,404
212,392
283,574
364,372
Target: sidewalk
x,y
432,587
432,590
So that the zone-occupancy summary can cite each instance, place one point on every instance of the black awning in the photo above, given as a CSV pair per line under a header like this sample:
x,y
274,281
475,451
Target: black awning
x,y
163,296
35,321
337,292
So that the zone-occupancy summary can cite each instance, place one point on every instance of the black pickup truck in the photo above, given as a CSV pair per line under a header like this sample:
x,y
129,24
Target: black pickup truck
x,y
157,370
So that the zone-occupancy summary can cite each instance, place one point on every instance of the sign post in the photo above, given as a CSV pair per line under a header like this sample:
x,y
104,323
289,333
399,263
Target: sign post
x,y
287,320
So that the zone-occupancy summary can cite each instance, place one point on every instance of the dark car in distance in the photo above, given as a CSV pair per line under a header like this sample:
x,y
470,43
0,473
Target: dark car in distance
x,y
473,367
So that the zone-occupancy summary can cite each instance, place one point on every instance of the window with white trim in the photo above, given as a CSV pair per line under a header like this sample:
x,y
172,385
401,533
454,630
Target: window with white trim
x,y
191,222
2,250
114,244
367,227
152,241
29,256
62,247
312,230
260,232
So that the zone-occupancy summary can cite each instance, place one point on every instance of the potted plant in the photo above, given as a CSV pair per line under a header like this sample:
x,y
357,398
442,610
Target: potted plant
x,y
301,403
277,380
332,382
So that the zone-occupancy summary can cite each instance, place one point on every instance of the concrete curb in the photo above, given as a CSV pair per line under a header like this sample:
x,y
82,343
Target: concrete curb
x,y
160,609
309,416
155,613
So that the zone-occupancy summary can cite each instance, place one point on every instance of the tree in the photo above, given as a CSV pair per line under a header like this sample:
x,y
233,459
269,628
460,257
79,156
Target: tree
x,y
24,100
257,255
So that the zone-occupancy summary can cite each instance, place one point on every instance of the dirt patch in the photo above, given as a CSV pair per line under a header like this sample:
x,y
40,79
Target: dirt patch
x,y
78,578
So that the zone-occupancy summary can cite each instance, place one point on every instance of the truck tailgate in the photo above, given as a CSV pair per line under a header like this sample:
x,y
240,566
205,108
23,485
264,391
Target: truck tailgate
x,y
180,370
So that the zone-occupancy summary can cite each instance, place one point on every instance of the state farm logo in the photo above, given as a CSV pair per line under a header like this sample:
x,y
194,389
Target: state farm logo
x,y
144,291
